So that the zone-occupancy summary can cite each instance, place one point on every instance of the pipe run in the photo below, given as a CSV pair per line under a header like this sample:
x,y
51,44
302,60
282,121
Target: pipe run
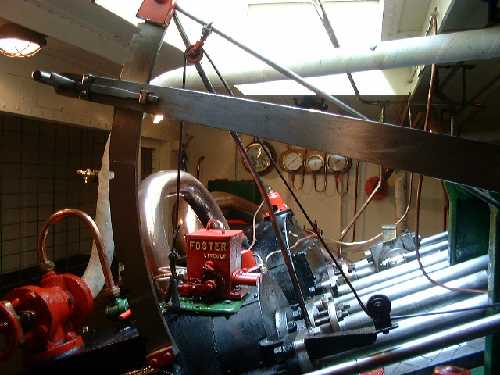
x,y
420,300
421,283
441,339
437,49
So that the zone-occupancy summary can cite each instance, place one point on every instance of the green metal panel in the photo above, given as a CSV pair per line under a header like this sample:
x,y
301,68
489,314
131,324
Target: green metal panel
x,y
217,308
468,224
492,350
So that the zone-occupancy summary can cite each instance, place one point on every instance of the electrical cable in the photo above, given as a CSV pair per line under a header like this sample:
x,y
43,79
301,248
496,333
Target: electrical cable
x,y
483,307
254,238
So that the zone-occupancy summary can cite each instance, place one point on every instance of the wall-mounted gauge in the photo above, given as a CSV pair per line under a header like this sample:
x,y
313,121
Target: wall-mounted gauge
x,y
292,160
315,162
258,156
338,163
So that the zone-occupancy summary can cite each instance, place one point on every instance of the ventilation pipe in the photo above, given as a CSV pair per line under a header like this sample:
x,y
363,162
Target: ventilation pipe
x,y
438,49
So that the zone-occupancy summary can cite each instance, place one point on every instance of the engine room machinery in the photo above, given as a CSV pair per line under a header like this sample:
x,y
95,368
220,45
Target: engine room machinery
x,y
274,299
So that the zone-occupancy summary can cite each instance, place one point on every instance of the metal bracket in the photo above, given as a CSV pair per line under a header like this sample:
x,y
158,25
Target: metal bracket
x,y
159,12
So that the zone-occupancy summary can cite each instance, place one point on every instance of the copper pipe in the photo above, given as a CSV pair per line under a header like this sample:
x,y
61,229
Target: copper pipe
x,y
198,166
356,184
363,207
55,218
428,127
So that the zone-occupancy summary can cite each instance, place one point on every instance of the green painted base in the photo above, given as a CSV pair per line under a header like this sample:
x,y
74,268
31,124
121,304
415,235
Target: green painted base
x,y
224,307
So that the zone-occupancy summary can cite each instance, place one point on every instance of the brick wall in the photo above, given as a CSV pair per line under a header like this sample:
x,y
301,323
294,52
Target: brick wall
x,y
38,161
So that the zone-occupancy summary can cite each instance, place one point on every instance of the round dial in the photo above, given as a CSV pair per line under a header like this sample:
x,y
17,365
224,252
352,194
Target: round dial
x,y
314,163
292,161
338,163
258,156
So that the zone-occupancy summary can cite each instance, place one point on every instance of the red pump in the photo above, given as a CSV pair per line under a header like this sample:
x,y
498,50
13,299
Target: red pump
x,y
46,318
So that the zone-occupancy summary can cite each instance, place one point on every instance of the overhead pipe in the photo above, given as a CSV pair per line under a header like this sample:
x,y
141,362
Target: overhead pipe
x,y
406,288
420,300
437,49
438,340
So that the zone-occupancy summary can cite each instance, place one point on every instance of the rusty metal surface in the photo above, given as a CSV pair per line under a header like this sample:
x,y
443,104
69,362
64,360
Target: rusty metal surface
x,y
124,149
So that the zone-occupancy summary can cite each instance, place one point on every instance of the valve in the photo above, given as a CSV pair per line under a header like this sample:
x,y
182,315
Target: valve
x,y
45,318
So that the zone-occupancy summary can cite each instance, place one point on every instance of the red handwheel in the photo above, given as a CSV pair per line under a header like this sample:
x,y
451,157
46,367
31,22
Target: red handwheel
x,y
10,328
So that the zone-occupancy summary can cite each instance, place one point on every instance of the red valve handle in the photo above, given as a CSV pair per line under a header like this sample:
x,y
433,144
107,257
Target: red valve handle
x,y
10,328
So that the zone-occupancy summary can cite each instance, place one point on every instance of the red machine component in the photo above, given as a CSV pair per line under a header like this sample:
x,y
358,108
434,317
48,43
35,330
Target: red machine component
x,y
214,265
370,185
159,12
46,318
277,202
194,53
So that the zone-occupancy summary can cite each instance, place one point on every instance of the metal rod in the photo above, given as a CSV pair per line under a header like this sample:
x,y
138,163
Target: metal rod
x,y
262,190
455,335
285,71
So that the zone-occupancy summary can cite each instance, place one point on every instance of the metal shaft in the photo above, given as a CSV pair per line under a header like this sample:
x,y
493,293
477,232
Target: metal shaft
x,y
441,339
284,71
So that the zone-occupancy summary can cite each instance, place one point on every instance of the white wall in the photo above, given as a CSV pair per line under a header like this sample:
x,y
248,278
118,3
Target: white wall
x,y
221,163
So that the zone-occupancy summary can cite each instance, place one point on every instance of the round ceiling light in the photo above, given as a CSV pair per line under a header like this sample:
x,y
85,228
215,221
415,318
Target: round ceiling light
x,y
18,41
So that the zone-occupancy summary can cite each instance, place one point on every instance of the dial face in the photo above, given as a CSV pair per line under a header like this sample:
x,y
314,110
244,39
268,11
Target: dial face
x,y
315,163
258,157
336,163
293,161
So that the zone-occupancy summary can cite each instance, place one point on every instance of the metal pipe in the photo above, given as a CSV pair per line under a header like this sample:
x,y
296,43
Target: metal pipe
x,y
409,287
155,214
367,269
440,238
441,339
411,275
418,326
420,300
56,217
278,68
437,49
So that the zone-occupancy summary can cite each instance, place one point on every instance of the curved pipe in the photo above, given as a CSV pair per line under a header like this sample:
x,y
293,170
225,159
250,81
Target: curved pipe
x,y
55,218
154,192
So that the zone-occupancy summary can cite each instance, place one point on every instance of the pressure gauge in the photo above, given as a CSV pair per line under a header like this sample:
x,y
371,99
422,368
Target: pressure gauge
x,y
315,162
292,160
258,156
338,163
